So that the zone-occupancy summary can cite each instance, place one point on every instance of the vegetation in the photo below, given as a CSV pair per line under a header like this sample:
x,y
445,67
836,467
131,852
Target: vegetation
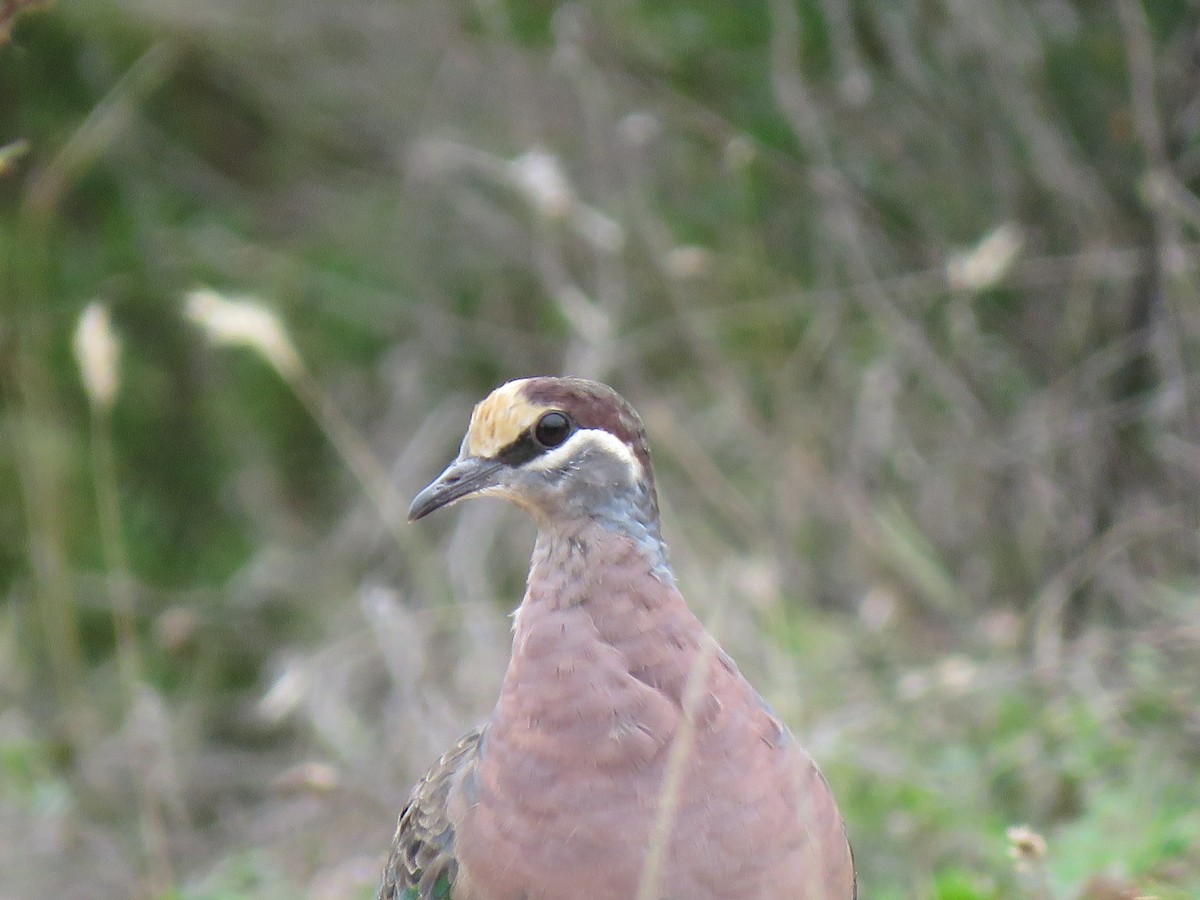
x,y
905,292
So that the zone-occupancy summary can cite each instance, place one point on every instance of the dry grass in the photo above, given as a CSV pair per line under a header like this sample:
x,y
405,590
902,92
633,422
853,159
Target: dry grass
x,y
906,297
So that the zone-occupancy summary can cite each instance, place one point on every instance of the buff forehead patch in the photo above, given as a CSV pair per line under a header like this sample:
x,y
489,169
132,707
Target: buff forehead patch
x,y
500,418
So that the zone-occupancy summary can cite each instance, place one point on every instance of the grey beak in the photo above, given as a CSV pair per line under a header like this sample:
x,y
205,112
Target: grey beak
x,y
463,477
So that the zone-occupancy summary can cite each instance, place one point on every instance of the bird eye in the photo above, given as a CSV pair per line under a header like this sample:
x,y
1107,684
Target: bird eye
x,y
552,429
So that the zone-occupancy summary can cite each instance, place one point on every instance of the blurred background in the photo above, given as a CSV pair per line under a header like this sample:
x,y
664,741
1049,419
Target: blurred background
x,y
906,293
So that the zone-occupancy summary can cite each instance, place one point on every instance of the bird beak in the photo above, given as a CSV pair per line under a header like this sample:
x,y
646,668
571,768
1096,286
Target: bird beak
x,y
465,476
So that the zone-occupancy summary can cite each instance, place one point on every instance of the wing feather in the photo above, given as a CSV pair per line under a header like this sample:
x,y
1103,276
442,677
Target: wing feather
x,y
422,863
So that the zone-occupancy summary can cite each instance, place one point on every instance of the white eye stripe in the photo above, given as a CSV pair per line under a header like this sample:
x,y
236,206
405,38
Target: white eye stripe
x,y
602,440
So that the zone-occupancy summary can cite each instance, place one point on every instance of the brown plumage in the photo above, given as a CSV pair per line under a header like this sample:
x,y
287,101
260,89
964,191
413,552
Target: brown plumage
x,y
626,757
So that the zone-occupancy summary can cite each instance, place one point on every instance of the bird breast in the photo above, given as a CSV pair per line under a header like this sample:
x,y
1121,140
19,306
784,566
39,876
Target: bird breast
x,y
568,789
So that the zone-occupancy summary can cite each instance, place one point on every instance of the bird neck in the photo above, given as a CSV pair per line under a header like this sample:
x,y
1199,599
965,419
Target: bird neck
x,y
598,631
630,515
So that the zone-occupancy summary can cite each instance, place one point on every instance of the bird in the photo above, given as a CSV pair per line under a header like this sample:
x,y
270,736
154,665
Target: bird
x,y
626,758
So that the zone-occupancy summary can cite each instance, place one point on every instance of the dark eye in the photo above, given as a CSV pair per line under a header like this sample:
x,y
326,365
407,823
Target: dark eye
x,y
552,429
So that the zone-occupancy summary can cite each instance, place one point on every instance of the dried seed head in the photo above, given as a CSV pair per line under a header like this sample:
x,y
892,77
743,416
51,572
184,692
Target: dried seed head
x,y
988,261
1025,845
540,178
98,352
245,323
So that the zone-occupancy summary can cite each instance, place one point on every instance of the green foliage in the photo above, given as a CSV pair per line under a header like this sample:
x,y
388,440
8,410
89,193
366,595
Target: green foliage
x,y
955,884
769,225
248,874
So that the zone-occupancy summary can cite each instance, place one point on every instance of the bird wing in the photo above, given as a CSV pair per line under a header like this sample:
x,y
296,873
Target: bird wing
x,y
422,864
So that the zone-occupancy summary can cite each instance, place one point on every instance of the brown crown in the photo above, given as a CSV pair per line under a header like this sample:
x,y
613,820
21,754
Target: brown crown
x,y
513,408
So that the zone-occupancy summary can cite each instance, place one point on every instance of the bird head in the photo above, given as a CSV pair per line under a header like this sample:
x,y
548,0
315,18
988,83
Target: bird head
x,y
561,448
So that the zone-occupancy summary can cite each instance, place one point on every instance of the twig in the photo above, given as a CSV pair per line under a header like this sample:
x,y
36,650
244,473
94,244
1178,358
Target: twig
x,y
97,132
676,767
1166,197
834,190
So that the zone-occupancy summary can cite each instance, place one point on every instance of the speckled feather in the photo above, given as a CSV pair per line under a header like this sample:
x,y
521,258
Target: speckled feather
x,y
421,864
559,801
